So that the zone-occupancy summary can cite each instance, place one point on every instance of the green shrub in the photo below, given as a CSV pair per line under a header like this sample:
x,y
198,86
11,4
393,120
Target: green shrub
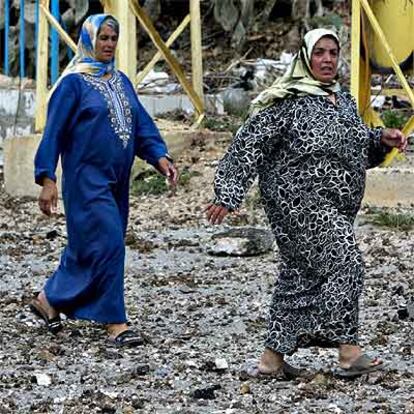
x,y
394,119
397,221
149,182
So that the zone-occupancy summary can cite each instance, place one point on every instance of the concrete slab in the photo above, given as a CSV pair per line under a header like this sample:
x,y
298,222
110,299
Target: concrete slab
x,y
18,166
390,187
19,152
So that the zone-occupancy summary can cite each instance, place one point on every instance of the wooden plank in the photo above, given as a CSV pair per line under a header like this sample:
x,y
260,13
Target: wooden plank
x,y
141,75
66,38
42,68
196,52
169,58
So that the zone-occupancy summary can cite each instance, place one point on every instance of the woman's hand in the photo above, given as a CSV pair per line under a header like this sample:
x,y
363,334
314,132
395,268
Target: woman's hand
x,y
168,169
48,197
215,213
394,138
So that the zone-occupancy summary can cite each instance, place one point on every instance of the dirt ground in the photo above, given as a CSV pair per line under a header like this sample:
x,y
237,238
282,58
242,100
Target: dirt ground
x,y
193,309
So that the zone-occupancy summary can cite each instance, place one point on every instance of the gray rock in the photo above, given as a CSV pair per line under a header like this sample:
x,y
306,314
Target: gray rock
x,y
244,241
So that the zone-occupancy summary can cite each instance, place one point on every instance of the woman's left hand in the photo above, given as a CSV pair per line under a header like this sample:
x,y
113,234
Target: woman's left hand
x,y
168,169
394,138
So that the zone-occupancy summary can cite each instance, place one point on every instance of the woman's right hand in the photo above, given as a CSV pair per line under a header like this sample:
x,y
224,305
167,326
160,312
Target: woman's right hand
x,y
48,197
215,213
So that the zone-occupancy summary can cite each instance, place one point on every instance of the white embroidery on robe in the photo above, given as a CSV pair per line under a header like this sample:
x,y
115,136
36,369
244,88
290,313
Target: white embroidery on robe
x,y
119,108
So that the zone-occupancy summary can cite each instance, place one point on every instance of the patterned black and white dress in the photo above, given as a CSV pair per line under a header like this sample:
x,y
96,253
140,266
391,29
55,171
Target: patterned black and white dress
x,y
310,156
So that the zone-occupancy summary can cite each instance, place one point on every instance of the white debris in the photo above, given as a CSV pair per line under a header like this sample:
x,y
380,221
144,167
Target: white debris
x,y
377,101
43,379
158,82
221,363
112,395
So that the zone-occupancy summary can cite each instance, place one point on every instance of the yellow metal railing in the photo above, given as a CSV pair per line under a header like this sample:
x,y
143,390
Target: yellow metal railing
x,y
126,51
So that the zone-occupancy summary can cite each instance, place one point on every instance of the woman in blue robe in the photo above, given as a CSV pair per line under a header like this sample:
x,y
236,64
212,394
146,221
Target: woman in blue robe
x,y
97,126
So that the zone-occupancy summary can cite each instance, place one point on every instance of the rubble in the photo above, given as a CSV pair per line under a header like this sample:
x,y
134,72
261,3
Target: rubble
x,y
197,313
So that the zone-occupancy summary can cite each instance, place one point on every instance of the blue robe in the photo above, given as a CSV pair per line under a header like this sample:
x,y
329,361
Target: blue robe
x,y
97,126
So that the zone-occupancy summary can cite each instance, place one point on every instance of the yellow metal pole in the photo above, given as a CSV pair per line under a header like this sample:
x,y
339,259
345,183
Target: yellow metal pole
x,y
356,50
377,29
58,28
408,128
126,52
196,53
168,56
41,69
141,75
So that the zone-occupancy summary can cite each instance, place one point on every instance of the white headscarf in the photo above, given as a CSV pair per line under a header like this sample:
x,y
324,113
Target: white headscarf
x,y
298,79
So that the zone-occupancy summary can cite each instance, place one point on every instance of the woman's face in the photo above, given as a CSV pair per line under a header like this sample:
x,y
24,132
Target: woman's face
x,y
106,43
324,60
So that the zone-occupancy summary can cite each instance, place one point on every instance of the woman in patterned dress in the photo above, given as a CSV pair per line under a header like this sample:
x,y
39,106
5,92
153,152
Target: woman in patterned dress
x,y
310,149
97,125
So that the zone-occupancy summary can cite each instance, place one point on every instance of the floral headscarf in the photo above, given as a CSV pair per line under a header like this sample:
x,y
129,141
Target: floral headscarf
x,y
84,60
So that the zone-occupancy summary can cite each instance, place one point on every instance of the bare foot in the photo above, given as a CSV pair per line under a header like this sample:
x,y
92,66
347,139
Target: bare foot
x,y
114,329
50,311
270,361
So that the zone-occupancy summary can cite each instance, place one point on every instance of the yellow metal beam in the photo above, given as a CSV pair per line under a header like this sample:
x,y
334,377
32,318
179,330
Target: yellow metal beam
x,y
169,58
126,51
355,50
390,92
141,75
377,29
41,68
58,27
409,126
196,53
407,130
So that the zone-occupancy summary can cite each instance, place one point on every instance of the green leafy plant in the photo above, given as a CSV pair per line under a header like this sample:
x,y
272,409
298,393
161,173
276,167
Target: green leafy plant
x,y
397,221
394,119
223,123
150,182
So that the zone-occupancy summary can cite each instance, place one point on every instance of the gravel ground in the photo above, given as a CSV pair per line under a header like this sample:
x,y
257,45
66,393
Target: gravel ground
x,y
203,317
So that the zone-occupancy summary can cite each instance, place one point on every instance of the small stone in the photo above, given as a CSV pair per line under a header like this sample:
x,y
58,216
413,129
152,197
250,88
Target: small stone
x,y
112,395
221,364
45,355
140,370
243,241
206,393
245,389
137,403
321,379
43,379
52,234
410,310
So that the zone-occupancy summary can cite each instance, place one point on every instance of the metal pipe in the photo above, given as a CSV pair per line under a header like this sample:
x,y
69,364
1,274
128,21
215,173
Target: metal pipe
x,y
21,41
6,36
54,54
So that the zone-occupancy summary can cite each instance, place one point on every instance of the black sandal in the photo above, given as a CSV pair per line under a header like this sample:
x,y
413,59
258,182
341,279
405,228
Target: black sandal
x,y
54,325
128,338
